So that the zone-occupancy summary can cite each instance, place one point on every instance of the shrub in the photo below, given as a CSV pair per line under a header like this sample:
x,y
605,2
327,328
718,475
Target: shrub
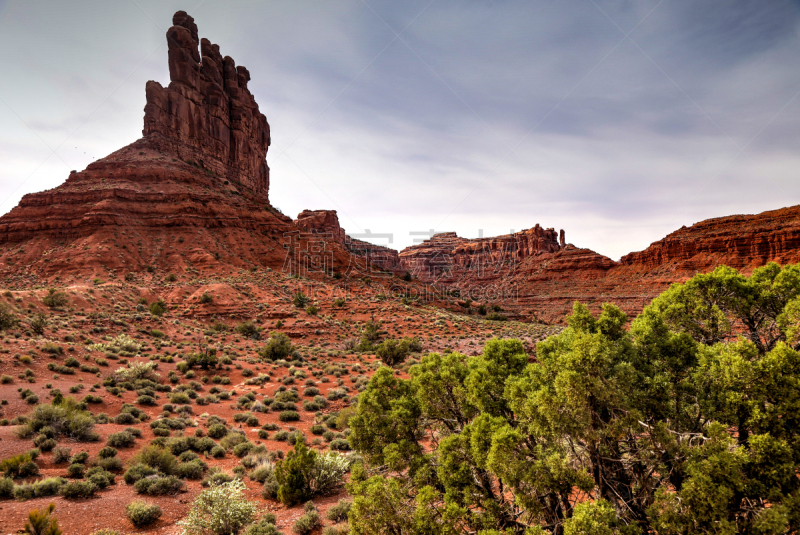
x,y
77,489
48,487
18,466
312,310
6,487
158,308
65,416
340,444
289,416
61,455
7,319
265,526
146,400
393,352
158,458
308,522
38,323
216,477
240,450
76,471
112,464
338,513
107,452
23,492
248,329
294,473
300,300
55,299
279,346
220,510
217,431
156,485
55,349
123,439
191,470
494,316
138,471
206,298
142,513
40,522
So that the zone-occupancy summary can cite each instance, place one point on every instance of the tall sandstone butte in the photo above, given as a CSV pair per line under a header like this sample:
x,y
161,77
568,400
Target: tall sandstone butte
x,y
207,114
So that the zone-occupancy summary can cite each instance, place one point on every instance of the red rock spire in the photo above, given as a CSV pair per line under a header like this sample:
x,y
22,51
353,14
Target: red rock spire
x,y
207,114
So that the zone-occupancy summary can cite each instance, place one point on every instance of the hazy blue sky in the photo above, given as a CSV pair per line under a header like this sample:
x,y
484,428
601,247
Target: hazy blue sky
x,y
618,121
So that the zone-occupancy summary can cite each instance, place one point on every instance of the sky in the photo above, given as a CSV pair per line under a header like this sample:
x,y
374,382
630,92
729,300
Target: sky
x,y
618,121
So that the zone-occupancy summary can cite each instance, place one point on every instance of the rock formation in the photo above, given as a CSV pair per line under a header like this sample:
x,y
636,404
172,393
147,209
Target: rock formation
x,y
326,222
190,196
447,258
543,279
207,115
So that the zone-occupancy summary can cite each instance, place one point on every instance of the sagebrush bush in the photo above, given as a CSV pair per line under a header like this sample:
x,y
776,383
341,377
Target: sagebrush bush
x,y
142,513
66,417
338,513
156,485
220,510
77,489
122,439
307,523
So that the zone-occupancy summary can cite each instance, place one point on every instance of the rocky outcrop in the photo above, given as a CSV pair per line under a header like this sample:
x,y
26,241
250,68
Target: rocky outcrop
x,y
326,222
447,258
740,241
533,277
207,115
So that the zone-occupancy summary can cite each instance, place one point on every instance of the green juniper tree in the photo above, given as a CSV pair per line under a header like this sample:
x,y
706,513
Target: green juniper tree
x,y
686,420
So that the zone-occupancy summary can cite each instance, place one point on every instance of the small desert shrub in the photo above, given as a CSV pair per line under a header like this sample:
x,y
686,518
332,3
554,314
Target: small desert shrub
x,y
61,455
6,487
308,522
265,526
206,298
55,299
220,510
158,458
217,431
159,485
338,513
248,329
289,416
158,308
21,465
41,523
142,513
77,489
123,439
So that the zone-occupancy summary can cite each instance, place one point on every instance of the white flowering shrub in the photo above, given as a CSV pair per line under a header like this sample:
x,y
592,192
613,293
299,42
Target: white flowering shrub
x,y
221,510
328,472
123,342
137,370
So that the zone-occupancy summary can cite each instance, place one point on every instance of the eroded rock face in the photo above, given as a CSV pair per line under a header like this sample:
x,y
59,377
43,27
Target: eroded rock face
x,y
447,258
326,222
534,276
740,241
207,115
